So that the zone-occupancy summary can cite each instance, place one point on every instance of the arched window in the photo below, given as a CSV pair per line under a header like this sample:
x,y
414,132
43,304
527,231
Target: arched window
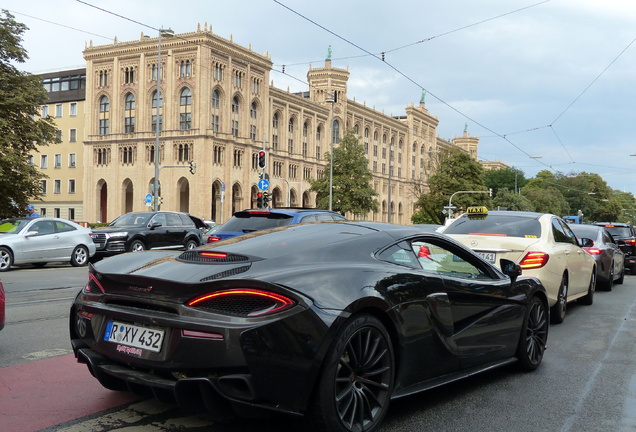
x,y
216,109
129,113
104,115
235,116
253,122
335,137
157,118
185,109
290,137
186,69
275,132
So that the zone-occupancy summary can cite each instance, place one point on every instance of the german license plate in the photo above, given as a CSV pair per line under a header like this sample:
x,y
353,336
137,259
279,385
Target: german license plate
x,y
488,256
134,336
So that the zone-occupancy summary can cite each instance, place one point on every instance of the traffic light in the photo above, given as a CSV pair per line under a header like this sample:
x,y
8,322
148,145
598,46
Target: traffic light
x,y
262,159
193,167
260,200
160,200
266,199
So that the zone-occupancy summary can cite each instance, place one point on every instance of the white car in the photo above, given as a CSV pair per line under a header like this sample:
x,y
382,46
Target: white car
x,y
544,246
40,240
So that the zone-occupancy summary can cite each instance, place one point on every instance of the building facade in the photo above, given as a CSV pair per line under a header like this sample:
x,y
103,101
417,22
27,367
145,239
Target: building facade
x,y
62,191
215,107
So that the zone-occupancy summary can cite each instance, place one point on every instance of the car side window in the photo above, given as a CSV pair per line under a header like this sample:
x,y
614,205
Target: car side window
x,y
436,258
43,227
323,217
185,220
159,218
560,235
63,227
173,219
308,219
399,254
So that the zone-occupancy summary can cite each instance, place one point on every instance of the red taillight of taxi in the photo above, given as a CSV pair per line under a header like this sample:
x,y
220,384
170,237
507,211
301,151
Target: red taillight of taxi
x,y
213,239
593,251
534,260
243,302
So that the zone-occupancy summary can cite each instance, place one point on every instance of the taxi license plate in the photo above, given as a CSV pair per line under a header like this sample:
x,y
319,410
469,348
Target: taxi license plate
x,y
134,336
488,256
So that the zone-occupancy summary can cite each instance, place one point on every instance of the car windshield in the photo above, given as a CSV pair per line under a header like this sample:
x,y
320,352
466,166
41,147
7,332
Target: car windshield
x,y
497,225
131,219
256,221
12,226
619,231
585,231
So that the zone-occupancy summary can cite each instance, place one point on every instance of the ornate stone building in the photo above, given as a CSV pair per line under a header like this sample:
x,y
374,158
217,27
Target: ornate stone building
x,y
219,109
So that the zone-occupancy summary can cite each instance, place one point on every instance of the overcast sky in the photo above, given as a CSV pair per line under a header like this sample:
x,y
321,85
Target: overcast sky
x,y
544,84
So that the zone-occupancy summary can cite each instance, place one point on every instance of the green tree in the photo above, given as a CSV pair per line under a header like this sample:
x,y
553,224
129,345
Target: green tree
x,y
511,201
457,171
512,179
352,180
22,130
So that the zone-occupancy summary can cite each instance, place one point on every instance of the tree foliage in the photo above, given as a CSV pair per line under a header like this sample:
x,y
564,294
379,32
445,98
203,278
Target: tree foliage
x,y
352,180
512,179
22,130
508,200
457,171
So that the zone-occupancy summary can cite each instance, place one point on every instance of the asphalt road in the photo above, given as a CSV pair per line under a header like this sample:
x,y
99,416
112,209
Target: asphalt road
x,y
587,381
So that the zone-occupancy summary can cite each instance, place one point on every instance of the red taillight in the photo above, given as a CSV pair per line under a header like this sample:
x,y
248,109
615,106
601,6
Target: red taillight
x,y
213,254
593,251
92,280
630,242
242,302
534,260
213,239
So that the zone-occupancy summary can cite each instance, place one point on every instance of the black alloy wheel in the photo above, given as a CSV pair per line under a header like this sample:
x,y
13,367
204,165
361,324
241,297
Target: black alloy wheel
x,y
557,312
356,384
534,336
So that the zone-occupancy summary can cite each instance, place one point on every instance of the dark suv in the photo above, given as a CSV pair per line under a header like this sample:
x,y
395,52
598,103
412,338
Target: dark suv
x,y
623,233
247,221
133,232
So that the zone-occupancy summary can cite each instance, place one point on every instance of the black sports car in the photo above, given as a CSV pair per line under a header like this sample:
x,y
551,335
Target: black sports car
x,y
328,320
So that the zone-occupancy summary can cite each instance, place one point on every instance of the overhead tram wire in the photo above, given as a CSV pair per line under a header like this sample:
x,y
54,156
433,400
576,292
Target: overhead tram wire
x,y
383,60
58,24
431,37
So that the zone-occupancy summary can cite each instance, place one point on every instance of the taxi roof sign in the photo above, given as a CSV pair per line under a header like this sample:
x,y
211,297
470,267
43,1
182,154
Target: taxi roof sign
x,y
477,210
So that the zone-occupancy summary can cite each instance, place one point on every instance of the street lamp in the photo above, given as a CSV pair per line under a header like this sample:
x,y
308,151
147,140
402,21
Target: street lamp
x,y
332,101
155,192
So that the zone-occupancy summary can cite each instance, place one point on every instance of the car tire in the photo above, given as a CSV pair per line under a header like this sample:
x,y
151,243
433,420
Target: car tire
x,y
621,279
589,297
557,312
6,259
534,335
79,258
136,246
607,285
360,354
191,244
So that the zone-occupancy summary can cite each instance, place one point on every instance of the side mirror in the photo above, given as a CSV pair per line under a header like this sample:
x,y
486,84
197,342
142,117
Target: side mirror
x,y
154,225
31,234
586,242
510,269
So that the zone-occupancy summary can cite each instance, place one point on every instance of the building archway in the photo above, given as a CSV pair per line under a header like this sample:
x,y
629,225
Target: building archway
x,y
254,197
127,188
277,198
237,197
102,193
215,206
307,200
183,194
293,198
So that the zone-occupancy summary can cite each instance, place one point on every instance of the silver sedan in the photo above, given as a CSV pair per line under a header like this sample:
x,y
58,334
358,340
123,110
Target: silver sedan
x,y
43,239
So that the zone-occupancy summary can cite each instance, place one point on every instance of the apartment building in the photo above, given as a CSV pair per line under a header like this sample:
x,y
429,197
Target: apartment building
x,y
62,191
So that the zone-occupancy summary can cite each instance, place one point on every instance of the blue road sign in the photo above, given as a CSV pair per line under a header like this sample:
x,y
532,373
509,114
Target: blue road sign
x,y
263,184
148,198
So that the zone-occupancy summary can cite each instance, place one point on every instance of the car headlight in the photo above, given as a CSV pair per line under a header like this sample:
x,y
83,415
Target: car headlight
x,y
118,234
